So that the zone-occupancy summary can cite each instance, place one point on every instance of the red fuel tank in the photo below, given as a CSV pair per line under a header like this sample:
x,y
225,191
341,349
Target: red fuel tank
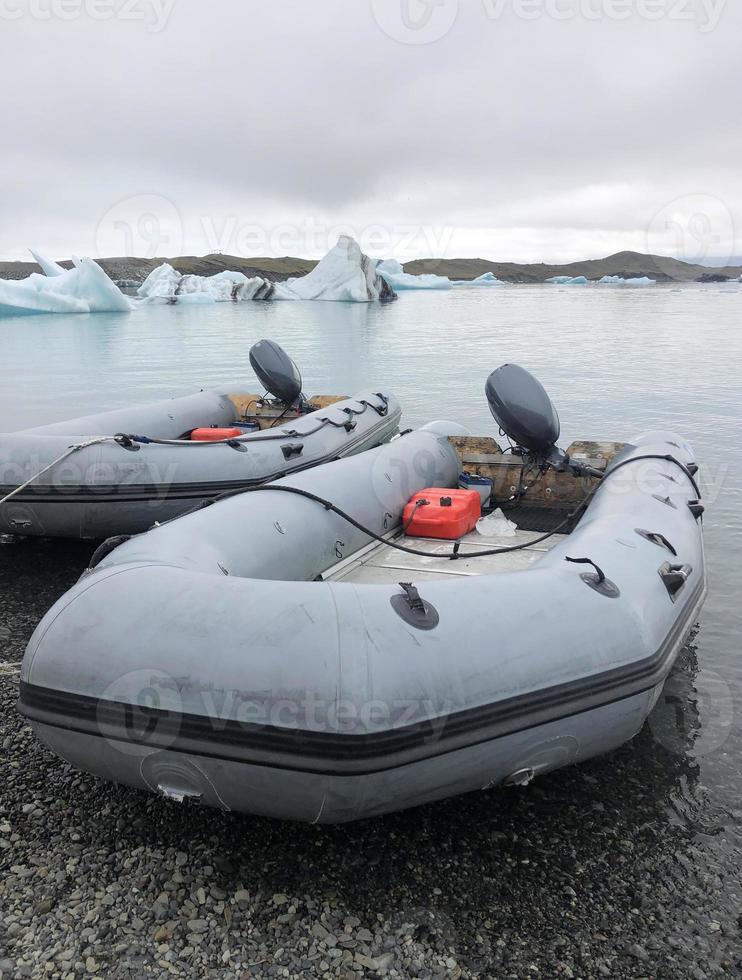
x,y
442,513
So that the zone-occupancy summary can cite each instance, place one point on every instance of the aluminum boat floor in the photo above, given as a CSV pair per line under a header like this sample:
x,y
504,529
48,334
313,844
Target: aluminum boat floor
x,y
379,563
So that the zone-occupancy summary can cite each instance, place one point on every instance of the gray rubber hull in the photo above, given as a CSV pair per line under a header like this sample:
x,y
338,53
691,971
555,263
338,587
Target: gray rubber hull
x,y
202,661
110,489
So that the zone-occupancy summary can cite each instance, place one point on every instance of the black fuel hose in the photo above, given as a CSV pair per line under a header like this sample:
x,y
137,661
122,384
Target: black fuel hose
x,y
455,555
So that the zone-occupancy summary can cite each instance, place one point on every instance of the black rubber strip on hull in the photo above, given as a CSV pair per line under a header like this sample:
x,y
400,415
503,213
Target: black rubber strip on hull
x,y
337,754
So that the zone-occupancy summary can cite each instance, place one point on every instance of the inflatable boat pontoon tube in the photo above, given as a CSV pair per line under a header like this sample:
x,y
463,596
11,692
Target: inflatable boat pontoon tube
x,y
261,655
119,486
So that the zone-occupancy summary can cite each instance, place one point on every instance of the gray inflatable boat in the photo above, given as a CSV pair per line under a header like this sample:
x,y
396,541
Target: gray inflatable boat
x,y
121,472
277,653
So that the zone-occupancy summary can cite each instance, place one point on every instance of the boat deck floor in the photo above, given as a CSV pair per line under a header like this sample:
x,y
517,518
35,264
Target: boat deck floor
x,y
381,564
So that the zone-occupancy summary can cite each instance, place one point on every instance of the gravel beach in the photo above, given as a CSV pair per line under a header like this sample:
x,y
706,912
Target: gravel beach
x,y
627,867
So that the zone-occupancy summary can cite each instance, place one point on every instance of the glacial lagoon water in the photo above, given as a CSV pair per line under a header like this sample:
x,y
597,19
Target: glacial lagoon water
x,y
616,362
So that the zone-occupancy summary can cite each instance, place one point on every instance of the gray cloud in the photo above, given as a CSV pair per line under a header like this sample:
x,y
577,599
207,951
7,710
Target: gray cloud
x,y
505,137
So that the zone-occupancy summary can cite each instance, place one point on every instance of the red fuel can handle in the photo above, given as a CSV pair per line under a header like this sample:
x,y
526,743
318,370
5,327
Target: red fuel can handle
x,y
442,513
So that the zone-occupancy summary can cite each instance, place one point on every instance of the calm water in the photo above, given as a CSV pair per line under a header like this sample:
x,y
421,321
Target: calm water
x,y
615,362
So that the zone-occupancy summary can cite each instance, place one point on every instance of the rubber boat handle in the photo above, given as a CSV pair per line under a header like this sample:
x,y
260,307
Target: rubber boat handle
x,y
292,450
382,409
598,582
696,508
655,537
411,607
588,561
675,577
413,597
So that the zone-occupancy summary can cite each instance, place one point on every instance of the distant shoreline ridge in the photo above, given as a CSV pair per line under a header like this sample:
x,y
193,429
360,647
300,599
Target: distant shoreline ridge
x,y
132,272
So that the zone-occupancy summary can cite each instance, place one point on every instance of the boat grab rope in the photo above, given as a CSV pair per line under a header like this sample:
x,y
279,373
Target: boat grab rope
x,y
455,555
127,440
70,451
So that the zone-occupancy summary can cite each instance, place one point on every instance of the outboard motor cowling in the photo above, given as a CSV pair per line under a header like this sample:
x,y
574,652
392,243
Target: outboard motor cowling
x,y
522,409
278,374
527,416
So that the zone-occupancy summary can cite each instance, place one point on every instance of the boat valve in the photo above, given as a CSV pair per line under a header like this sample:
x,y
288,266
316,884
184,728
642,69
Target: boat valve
x,y
178,795
20,525
523,777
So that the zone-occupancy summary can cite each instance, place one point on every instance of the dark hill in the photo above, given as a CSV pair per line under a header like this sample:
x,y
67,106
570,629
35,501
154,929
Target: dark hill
x,y
627,264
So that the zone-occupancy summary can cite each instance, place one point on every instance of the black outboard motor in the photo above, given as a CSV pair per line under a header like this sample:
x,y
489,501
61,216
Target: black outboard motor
x,y
522,409
526,414
278,374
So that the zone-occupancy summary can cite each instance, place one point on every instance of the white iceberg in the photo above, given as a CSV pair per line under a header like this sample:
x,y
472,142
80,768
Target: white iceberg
x,y
398,279
488,279
345,274
84,289
620,281
165,284
48,266
20,299
393,273
161,283
568,281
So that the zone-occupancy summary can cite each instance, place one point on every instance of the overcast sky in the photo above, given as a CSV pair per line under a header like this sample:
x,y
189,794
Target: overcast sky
x,y
512,129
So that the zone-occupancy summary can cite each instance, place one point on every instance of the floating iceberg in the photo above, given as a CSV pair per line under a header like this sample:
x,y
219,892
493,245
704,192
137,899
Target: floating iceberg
x,y
20,299
345,274
620,281
605,281
48,266
488,279
161,283
394,274
84,289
